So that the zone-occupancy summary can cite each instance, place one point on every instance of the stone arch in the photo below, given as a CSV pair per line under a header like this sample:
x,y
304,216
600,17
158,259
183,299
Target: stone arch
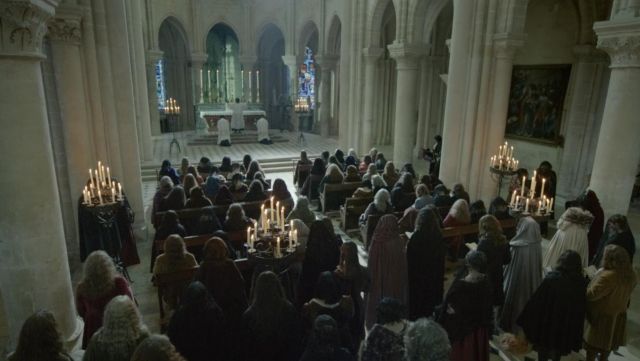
x,y
271,25
374,27
424,15
309,36
235,30
175,22
333,37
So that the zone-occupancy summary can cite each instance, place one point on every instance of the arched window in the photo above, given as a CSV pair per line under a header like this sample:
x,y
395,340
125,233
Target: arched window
x,y
307,79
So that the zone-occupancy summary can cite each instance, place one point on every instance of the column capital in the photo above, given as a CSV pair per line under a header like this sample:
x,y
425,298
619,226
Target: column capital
x,y
407,55
621,40
67,25
588,53
248,61
198,59
327,62
506,45
153,55
23,24
290,60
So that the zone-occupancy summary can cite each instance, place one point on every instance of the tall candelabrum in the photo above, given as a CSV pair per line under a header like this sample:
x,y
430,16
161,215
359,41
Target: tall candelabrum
x,y
272,229
503,164
528,201
172,114
101,189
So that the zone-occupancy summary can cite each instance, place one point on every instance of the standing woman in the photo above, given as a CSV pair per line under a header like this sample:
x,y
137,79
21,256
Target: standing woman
x,y
310,186
425,262
304,161
99,284
608,297
467,311
459,215
617,232
591,203
322,254
353,280
523,274
494,245
387,266
553,319
571,234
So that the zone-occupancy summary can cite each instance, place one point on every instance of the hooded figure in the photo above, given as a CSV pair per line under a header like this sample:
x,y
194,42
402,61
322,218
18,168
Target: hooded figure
x,y
571,234
425,262
523,274
263,131
591,203
224,134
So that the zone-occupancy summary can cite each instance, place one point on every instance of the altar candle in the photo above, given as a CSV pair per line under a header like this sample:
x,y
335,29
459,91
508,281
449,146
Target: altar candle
x,y
295,235
278,247
500,152
250,83
100,196
113,194
218,79
109,176
282,217
91,182
248,234
551,205
120,190
209,83
278,213
511,152
517,201
258,84
513,198
266,221
524,179
542,189
242,77
271,202
526,209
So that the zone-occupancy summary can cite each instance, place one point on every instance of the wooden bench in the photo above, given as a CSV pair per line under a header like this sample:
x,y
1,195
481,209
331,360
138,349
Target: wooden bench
x,y
351,210
189,216
335,195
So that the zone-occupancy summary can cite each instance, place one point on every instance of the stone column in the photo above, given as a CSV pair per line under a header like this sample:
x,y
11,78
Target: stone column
x,y
136,46
66,34
371,57
618,151
327,65
454,113
407,58
34,270
291,62
504,52
248,64
152,58
582,121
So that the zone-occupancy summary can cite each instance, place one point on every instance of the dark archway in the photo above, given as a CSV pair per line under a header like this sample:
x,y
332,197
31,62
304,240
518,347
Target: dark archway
x,y
223,71
273,82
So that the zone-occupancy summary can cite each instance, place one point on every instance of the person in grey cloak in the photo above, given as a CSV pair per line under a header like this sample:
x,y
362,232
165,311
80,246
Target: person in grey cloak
x,y
523,274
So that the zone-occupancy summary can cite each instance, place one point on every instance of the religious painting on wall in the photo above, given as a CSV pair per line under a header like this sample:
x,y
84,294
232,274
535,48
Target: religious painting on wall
x,y
536,102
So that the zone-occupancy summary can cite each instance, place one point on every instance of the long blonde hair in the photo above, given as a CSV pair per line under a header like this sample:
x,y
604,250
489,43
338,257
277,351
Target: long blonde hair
x,y
122,327
175,248
99,275
617,259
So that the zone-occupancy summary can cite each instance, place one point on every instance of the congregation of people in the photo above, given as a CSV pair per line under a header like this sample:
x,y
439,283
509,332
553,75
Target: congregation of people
x,y
399,304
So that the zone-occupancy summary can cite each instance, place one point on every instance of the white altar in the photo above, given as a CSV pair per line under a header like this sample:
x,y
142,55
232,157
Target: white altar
x,y
211,117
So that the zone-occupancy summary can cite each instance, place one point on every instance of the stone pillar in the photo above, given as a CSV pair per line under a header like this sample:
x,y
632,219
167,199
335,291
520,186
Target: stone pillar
x,y
66,34
454,113
582,121
371,57
248,64
136,46
154,114
34,271
504,52
327,65
407,58
291,62
618,151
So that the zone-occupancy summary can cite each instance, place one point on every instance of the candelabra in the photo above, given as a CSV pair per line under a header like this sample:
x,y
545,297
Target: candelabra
x,y
528,202
101,189
272,231
503,164
172,114
301,107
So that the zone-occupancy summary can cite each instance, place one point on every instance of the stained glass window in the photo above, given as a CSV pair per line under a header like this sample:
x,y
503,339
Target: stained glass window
x,y
160,87
307,79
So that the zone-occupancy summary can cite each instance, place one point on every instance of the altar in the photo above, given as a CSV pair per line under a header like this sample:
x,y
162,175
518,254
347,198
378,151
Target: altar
x,y
211,117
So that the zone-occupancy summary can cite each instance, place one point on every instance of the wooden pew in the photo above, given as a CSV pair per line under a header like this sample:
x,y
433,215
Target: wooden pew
x,y
189,215
334,195
351,211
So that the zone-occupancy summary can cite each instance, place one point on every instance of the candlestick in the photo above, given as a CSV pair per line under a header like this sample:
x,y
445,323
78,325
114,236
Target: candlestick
x,y
526,209
218,80
517,202
551,205
295,235
542,189
282,217
539,207
258,84
250,83
277,253
100,196
278,213
513,198
120,190
271,202
524,179
108,177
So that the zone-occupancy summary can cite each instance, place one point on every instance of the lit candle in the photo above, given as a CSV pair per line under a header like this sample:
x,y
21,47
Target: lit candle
x,y
100,196
526,209
120,190
253,241
542,189
266,220
91,178
513,198
218,79
524,179
97,174
209,83
295,235
271,202
517,202
551,205
248,234
113,194
282,217
277,253
250,83
258,84
278,213
108,177
539,206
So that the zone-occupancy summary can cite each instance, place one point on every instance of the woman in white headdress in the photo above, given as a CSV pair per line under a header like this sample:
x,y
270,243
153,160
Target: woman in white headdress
x,y
224,133
573,227
263,131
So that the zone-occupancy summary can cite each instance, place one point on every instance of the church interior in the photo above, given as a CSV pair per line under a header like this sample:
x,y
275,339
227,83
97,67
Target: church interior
x,y
532,101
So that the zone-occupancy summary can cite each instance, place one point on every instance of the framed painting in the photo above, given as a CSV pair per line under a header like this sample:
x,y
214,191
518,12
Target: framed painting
x,y
536,102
